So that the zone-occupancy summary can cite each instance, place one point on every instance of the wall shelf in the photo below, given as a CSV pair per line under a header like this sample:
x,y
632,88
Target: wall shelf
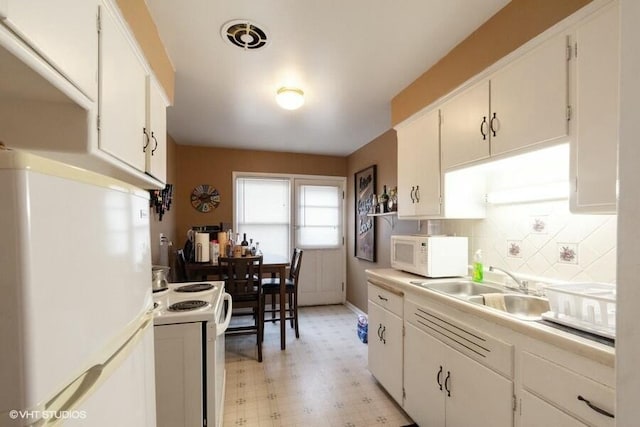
x,y
390,217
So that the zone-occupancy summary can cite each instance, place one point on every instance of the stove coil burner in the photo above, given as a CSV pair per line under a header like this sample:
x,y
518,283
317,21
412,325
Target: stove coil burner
x,y
196,287
187,305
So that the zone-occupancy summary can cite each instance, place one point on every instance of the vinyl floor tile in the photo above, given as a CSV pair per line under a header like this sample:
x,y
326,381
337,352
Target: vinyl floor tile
x,y
321,379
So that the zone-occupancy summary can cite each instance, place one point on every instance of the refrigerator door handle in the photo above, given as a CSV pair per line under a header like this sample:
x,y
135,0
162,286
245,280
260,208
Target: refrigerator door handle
x,y
85,383
222,328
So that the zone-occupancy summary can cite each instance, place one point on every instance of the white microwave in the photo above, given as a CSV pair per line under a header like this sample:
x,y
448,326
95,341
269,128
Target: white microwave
x,y
430,256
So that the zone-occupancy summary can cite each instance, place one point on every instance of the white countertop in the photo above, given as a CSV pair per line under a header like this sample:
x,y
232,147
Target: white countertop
x,y
584,347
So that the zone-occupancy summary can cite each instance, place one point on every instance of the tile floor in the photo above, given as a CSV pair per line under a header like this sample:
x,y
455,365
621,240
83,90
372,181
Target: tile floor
x,y
321,379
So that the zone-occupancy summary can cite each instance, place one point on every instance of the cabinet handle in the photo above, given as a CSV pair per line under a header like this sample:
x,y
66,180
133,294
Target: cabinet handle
x,y
155,147
384,340
446,384
438,377
595,408
383,298
411,194
482,126
417,194
380,333
146,144
494,129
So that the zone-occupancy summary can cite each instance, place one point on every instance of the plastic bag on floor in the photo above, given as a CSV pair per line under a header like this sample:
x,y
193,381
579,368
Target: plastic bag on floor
x,y
363,327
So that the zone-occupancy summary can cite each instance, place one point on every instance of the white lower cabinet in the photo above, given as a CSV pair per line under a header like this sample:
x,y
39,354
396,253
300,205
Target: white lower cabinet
x,y
443,387
563,390
535,412
385,349
385,338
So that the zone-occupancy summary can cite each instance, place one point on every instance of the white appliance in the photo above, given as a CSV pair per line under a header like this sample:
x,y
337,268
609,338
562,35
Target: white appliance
x,y
190,322
76,308
430,256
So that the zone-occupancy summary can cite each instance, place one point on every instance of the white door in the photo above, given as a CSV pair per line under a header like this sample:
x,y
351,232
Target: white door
x,y
319,232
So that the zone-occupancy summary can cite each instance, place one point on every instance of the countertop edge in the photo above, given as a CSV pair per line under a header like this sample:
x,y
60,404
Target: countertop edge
x,y
591,350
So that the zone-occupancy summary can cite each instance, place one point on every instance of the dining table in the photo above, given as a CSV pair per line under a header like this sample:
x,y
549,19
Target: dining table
x,y
271,264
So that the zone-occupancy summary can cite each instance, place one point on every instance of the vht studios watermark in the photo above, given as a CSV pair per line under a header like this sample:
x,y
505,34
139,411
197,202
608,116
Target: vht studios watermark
x,y
47,415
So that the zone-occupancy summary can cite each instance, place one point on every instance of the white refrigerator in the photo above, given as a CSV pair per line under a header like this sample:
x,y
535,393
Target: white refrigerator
x,y
76,325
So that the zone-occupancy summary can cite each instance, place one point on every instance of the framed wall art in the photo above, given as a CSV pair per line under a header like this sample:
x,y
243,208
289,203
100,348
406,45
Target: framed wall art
x,y
365,189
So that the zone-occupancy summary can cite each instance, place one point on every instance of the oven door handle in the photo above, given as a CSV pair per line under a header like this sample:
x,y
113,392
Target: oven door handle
x,y
220,329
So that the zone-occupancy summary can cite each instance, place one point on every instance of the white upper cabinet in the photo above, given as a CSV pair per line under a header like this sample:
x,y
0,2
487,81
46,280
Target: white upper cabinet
x,y
419,167
122,102
63,32
465,127
529,99
594,146
523,104
156,152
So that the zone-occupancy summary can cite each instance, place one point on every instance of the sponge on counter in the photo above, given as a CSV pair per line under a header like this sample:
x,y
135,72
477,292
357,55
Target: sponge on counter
x,y
495,300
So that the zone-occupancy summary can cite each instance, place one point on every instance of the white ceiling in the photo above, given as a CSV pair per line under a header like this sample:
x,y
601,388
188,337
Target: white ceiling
x,y
350,57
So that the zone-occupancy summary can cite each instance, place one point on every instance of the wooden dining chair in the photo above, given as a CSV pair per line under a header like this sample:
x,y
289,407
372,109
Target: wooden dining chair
x,y
242,281
271,286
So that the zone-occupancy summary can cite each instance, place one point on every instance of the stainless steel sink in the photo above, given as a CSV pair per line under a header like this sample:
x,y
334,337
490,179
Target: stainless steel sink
x,y
521,306
463,288
524,307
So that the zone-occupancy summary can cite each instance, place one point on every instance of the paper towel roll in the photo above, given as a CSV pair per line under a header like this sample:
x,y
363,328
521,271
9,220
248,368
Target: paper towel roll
x,y
202,247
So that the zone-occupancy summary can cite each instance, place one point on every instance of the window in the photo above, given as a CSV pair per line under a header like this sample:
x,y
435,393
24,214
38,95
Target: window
x,y
263,211
318,221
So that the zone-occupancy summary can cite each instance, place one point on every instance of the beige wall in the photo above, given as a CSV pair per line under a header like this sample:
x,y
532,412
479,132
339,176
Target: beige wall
x,y
518,22
382,152
137,15
214,166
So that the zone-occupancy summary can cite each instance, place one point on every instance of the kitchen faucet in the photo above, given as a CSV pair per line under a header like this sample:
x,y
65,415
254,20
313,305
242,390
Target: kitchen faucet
x,y
522,284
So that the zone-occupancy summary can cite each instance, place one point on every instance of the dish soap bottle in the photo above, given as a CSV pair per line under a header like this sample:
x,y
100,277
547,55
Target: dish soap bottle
x,y
477,274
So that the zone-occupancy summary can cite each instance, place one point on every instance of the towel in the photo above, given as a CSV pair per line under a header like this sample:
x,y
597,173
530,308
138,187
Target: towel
x,y
494,301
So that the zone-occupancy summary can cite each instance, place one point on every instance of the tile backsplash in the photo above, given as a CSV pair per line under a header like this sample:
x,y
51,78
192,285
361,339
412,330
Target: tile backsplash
x,y
543,239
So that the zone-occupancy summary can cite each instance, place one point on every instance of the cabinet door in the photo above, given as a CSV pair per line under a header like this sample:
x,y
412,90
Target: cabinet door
x,y
156,152
178,358
419,167
385,349
425,372
64,32
464,129
479,396
529,98
594,147
535,412
122,100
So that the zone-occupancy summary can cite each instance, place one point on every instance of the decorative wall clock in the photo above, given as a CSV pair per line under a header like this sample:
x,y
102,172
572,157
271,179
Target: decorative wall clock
x,y
204,198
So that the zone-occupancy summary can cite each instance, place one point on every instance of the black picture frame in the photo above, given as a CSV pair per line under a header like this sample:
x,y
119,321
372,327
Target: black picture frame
x,y
365,227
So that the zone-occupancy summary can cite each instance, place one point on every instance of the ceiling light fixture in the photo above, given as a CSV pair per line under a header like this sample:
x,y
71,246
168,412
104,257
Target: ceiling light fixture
x,y
290,98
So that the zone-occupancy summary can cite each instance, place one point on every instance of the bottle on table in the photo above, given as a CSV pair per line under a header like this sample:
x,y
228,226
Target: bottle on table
x,y
245,245
237,247
229,249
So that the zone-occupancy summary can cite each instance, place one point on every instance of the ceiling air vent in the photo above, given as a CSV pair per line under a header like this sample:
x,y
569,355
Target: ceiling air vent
x,y
244,34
